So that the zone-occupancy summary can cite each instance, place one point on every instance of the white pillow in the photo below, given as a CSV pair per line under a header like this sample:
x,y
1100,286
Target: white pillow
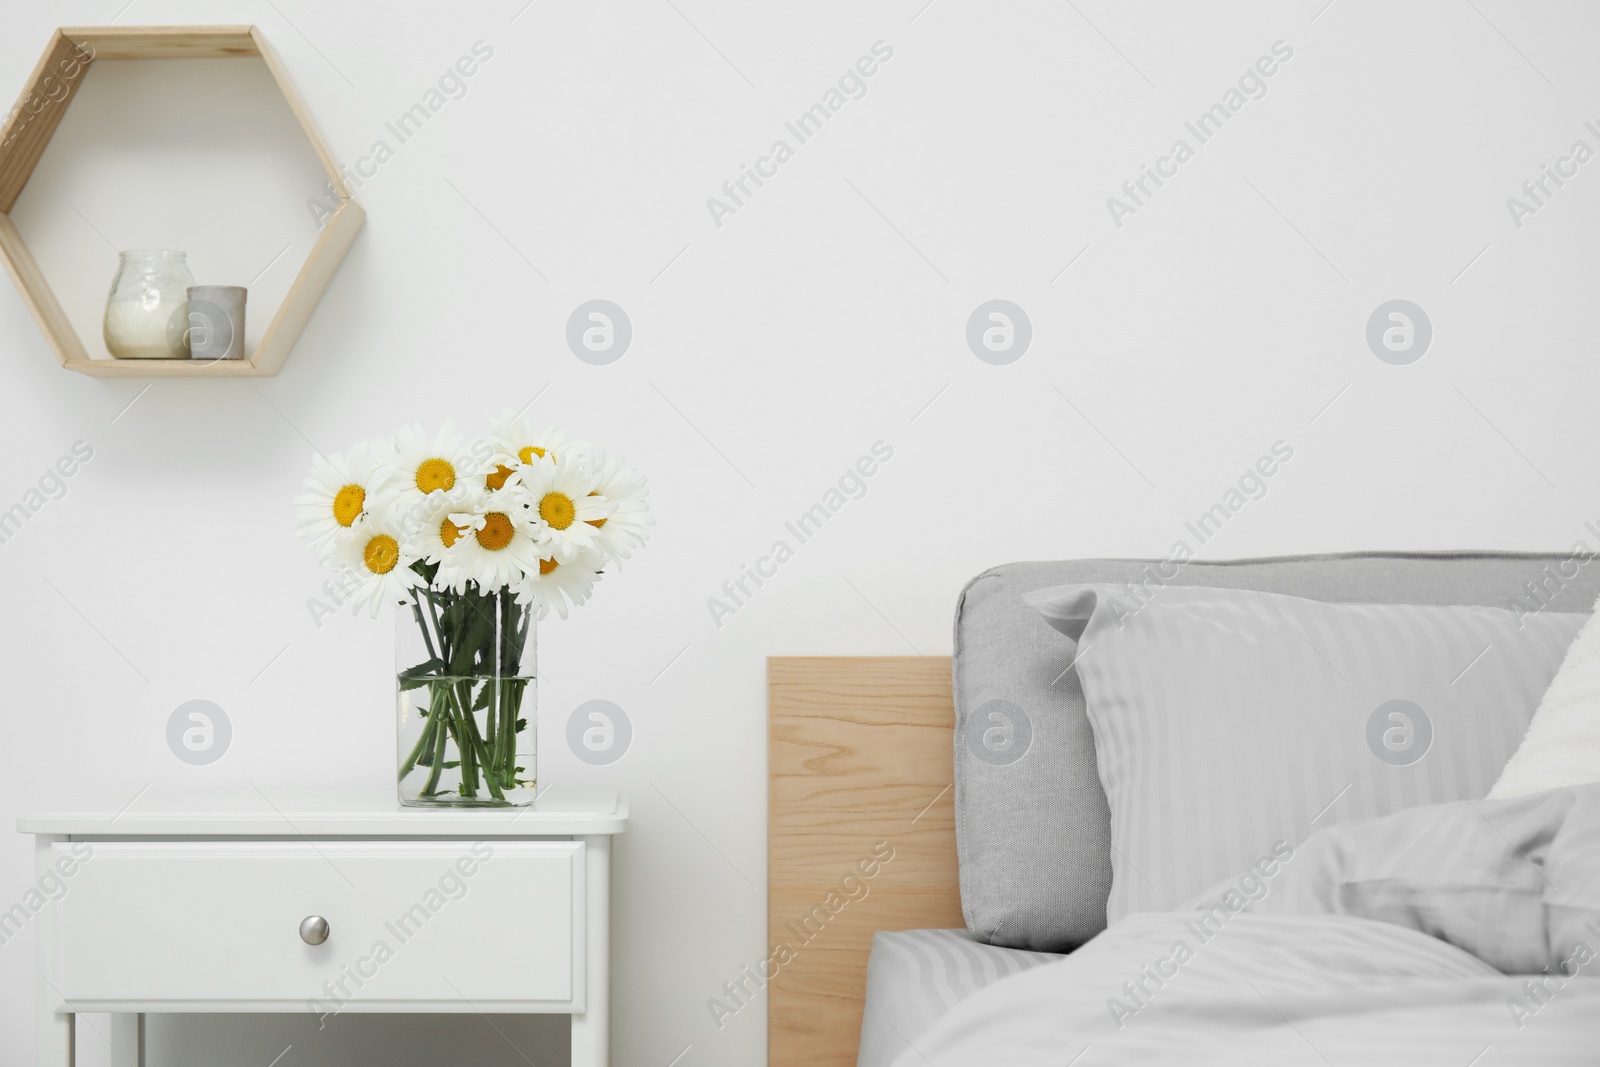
x,y
1562,745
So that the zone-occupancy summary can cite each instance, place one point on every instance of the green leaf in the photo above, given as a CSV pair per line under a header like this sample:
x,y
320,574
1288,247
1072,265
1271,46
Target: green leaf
x,y
420,675
469,649
454,609
432,666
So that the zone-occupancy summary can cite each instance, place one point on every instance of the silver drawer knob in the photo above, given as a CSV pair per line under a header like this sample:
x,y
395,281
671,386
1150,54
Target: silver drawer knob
x,y
313,929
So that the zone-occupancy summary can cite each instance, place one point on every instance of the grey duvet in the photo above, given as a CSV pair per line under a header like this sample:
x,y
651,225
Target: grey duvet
x,y
1465,934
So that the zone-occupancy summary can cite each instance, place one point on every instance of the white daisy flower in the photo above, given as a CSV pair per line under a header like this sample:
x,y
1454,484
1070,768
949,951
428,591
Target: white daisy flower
x,y
628,525
339,490
518,442
563,501
516,436
431,533
374,563
555,584
521,508
495,542
421,463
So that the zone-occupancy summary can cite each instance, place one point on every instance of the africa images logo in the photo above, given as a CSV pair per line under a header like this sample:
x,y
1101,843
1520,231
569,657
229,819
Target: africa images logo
x,y
999,733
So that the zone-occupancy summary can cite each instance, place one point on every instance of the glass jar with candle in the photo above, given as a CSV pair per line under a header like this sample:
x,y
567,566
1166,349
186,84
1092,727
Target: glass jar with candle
x,y
151,288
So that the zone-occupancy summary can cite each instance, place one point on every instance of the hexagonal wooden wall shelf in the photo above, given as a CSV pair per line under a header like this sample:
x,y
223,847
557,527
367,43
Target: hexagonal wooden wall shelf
x,y
22,142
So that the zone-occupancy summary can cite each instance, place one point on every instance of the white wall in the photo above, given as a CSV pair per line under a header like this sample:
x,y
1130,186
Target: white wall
x,y
823,316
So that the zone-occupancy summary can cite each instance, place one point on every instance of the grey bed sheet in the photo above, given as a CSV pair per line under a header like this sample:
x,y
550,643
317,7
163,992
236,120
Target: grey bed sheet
x,y
914,977
1459,933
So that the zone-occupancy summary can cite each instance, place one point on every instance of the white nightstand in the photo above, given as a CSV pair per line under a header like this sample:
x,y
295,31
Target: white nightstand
x,y
325,904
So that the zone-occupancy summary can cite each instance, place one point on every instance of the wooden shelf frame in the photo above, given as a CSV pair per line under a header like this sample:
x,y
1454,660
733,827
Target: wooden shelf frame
x,y
27,132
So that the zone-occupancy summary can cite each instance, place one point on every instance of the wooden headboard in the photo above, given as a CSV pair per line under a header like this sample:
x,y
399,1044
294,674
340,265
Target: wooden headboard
x,y
859,769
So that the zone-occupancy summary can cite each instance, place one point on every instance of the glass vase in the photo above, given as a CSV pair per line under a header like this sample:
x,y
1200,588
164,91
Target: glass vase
x,y
467,696
146,313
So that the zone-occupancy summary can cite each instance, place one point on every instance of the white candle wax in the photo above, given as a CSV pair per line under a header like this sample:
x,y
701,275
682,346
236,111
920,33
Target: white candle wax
x,y
134,331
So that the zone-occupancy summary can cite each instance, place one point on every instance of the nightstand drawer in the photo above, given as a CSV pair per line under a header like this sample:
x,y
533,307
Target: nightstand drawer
x,y
420,925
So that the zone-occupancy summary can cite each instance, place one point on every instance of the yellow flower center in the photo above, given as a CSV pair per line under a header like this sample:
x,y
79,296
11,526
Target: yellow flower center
x,y
347,504
527,454
435,474
497,477
547,565
448,532
596,523
496,532
381,554
558,510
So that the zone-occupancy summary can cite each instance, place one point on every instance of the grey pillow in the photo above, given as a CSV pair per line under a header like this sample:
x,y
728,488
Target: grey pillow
x,y
1229,721
1032,827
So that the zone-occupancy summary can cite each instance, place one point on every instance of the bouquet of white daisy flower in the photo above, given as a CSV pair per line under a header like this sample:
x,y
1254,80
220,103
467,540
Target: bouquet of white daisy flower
x,y
475,541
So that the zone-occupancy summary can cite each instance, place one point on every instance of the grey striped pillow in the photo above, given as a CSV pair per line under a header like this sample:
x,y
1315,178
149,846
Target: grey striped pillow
x,y
1228,720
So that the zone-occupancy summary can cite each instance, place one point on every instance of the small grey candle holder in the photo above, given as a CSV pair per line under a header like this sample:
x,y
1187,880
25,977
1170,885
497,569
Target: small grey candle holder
x,y
216,321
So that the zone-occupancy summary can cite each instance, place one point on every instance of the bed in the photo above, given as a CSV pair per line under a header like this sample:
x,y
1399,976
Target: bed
x,y
976,937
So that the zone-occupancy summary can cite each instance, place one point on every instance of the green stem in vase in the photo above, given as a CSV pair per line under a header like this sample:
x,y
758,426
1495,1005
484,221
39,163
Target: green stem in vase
x,y
475,741
510,705
427,638
433,609
506,638
512,636
424,742
464,783
515,622
491,736
497,716
439,739
456,657
474,644
462,725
